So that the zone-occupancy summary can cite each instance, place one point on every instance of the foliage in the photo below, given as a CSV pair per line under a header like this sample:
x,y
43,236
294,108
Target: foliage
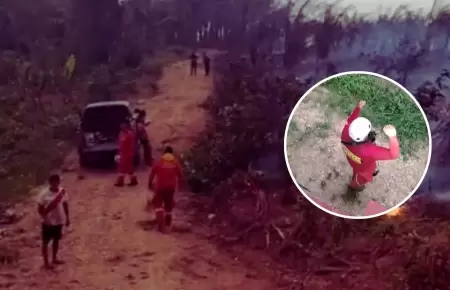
x,y
249,113
386,104
433,99
39,105
397,252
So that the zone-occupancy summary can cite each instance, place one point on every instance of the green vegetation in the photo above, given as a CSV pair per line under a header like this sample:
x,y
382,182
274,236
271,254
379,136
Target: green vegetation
x,y
386,104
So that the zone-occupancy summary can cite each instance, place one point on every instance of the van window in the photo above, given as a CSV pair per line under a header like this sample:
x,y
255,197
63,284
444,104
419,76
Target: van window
x,y
106,119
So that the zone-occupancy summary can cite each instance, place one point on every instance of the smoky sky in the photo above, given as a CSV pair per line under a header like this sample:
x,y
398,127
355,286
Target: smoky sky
x,y
367,6
374,6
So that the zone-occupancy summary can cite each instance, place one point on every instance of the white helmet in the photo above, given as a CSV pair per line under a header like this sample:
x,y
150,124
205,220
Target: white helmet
x,y
359,129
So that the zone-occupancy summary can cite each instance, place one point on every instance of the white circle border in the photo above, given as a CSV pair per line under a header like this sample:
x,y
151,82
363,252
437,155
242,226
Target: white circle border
x,y
290,120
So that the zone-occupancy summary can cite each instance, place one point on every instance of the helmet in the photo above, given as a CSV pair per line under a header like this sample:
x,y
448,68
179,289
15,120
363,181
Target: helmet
x,y
359,129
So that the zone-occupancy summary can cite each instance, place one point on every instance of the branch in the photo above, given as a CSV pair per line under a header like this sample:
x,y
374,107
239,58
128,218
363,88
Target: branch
x,y
280,232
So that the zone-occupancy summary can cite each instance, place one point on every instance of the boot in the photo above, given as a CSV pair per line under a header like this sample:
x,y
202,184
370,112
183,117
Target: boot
x,y
352,194
160,221
356,190
133,181
168,219
120,181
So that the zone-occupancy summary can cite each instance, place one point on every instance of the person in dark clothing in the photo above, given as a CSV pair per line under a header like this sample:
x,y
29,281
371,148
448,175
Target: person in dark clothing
x,y
206,63
141,134
193,58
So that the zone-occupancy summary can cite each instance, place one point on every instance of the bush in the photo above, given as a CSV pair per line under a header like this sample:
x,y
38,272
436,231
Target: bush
x,y
249,114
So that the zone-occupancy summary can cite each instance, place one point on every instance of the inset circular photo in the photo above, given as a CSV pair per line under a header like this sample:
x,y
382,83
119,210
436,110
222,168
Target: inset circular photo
x,y
357,145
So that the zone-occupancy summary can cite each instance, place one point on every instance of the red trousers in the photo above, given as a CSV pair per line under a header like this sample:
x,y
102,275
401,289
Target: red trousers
x,y
360,179
164,200
126,165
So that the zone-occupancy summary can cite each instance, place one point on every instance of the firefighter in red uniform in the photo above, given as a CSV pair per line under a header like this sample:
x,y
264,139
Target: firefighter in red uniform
x,y
358,143
127,151
168,172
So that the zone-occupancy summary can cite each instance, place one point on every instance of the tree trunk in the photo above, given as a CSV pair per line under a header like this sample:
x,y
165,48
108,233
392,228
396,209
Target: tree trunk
x,y
93,29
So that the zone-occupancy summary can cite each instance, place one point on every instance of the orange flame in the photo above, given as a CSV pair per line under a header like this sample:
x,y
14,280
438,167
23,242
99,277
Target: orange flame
x,y
395,212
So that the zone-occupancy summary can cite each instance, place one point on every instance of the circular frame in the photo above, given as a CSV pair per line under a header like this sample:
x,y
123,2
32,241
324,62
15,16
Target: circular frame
x,y
315,202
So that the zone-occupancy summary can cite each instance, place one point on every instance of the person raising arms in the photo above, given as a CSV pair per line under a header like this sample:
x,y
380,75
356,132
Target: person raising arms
x,y
358,144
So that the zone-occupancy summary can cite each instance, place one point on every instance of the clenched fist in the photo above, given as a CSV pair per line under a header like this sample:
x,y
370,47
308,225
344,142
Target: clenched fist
x,y
390,131
361,104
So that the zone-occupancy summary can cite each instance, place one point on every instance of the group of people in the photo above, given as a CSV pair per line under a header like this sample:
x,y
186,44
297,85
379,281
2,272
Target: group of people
x,y
194,63
164,179
165,174
132,136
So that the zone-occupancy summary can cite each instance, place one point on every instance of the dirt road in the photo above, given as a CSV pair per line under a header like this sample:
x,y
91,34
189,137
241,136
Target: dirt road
x,y
111,244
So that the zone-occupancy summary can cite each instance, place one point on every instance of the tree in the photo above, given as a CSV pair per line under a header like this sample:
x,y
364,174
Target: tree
x,y
93,30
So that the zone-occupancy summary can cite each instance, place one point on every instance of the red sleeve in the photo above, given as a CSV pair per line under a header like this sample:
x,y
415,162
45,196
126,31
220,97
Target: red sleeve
x,y
391,153
354,115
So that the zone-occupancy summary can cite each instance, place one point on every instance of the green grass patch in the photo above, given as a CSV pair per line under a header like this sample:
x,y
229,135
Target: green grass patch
x,y
385,104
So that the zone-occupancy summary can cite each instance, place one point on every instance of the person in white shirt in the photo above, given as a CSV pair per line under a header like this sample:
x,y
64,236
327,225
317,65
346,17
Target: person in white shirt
x,y
54,210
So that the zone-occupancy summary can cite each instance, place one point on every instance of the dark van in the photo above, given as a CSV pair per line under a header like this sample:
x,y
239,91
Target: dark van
x,y
100,128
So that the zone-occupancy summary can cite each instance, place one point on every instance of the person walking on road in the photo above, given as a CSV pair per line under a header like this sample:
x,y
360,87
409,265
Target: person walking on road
x,y
167,174
194,64
127,151
54,210
206,63
358,143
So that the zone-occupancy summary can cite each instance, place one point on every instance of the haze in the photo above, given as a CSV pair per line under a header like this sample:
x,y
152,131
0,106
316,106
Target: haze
x,y
374,6
367,6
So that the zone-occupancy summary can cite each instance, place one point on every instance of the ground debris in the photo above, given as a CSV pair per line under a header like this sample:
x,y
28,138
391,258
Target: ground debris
x,y
9,216
8,256
391,248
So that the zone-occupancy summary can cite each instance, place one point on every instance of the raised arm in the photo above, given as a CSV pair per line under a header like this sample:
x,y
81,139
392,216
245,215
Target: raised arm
x,y
391,153
356,111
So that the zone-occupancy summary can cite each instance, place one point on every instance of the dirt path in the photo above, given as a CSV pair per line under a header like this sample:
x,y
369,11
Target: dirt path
x,y
111,244
318,163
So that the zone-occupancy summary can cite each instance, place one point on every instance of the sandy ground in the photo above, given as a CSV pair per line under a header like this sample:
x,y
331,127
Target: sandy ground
x,y
111,244
318,163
